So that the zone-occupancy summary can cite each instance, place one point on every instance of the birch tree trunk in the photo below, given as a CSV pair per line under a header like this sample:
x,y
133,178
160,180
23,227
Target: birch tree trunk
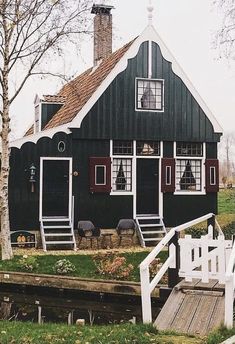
x,y
5,168
30,33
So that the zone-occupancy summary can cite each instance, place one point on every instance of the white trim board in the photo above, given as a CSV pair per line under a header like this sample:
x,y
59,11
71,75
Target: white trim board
x,y
150,35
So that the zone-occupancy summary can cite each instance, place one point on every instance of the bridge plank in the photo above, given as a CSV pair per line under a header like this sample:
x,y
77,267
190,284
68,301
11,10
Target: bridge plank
x,y
219,286
186,313
217,317
196,311
210,285
169,310
202,316
187,285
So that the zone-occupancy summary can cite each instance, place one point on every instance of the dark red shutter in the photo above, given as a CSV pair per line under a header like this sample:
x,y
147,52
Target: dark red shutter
x,y
212,182
168,175
100,161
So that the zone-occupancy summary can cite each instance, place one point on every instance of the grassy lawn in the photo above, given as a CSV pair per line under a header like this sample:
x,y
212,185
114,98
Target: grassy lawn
x,y
226,201
84,264
28,333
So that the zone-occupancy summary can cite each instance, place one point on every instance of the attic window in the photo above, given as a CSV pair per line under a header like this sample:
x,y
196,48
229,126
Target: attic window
x,y
149,94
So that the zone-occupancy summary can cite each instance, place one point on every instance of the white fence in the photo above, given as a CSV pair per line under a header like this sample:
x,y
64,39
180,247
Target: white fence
x,y
229,289
205,258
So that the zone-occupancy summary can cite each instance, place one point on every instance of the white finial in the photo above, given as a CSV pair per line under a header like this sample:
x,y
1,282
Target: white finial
x,y
150,9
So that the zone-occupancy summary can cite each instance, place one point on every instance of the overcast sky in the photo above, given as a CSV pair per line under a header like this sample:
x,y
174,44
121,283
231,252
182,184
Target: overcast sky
x,y
186,27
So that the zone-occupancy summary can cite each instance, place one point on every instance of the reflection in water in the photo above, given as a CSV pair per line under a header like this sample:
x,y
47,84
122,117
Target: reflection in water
x,y
67,307
5,310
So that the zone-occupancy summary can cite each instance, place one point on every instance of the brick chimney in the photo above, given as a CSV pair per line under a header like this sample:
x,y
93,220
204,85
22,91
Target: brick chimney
x,y
102,32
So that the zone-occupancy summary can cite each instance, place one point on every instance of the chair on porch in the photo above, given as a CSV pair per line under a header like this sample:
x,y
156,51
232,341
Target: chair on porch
x,y
126,229
89,232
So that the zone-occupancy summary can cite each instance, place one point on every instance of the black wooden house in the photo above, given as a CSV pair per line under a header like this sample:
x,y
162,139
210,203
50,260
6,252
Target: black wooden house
x,y
129,136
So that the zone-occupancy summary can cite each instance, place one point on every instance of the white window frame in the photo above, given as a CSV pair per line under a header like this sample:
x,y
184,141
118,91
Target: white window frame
x,y
169,168
39,105
212,170
105,175
203,177
136,95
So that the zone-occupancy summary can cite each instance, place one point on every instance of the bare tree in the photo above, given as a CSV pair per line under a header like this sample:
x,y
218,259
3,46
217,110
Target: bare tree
x,y
31,31
225,36
227,156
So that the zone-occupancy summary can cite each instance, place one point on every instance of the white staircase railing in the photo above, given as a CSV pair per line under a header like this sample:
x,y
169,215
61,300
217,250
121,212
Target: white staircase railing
x,y
229,289
139,233
147,286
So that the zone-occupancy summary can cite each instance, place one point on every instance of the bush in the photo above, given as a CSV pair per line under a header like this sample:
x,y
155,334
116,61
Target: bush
x,y
28,264
154,267
196,232
63,267
112,265
229,230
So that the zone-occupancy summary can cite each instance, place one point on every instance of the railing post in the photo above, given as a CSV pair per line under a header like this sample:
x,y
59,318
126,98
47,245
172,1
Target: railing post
x,y
173,273
228,316
145,296
211,221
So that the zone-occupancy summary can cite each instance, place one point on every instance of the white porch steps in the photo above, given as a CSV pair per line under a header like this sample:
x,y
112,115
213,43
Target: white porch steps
x,y
151,229
57,232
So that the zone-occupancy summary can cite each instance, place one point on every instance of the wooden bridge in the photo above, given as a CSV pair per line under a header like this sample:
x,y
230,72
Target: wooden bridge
x,y
193,307
203,299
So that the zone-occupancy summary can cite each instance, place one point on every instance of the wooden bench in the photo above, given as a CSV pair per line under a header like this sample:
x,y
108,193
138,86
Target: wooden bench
x,y
23,239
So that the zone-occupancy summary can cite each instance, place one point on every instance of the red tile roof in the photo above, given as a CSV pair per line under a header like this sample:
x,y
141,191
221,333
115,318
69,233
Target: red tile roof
x,y
77,92
54,98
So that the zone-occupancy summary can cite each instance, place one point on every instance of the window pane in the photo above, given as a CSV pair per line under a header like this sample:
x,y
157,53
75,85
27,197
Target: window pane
x,y
122,175
149,94
148,148
188,175
189,149
122,147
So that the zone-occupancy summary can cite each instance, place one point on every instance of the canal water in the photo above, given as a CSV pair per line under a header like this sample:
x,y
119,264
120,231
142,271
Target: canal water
x,y
42,305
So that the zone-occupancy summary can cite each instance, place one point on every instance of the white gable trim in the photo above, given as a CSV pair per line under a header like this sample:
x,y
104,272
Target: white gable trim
x,y
149,34
35,137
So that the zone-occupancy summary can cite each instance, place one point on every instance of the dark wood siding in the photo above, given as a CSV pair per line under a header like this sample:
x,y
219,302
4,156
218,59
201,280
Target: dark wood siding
x,y
114,116
48,111
93,206
23,204
179,209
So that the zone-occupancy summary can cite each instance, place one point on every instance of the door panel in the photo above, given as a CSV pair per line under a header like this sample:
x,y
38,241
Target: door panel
x,y
55,188
147,186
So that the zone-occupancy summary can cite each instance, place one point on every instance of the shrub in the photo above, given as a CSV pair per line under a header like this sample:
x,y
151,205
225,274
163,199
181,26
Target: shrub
x,y
154,267
63,267
196,232
229,230
28,263
112,265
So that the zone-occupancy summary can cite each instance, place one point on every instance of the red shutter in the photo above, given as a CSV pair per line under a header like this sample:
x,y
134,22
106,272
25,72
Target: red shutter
x,y
168,175
212,175
99,162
